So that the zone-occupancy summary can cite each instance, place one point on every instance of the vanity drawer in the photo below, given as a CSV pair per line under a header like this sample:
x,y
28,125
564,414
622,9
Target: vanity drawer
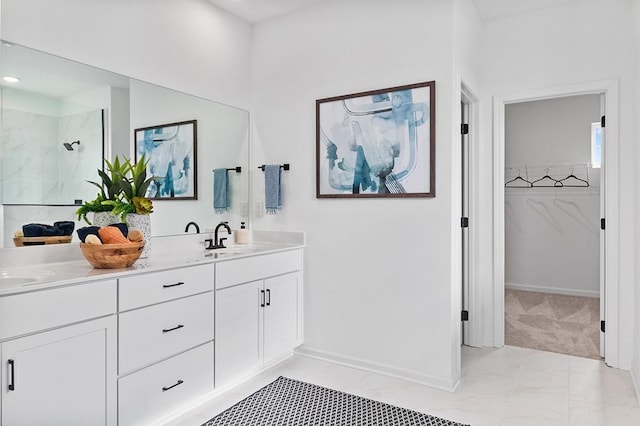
x,y
49,308
156,287
149,334
238,271
158,390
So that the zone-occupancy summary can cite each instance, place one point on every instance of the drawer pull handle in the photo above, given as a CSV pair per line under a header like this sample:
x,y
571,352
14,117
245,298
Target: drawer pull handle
x,y
268,297
179,382
12,384
166,330
173,285
262,298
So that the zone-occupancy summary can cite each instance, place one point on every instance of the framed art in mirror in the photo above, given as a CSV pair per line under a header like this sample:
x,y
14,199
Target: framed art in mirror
x,y
171,152
379,143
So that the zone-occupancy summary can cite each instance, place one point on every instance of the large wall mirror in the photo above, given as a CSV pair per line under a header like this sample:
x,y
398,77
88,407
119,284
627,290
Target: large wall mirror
x,y
61,118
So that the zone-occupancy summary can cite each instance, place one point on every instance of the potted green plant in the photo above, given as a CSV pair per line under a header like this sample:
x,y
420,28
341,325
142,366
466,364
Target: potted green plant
x,y
122,190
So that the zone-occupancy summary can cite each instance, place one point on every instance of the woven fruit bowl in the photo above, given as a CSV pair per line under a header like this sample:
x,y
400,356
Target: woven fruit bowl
x,y
111,256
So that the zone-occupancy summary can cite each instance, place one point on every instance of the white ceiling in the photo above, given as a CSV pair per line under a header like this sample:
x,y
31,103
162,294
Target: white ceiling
x,y
496,9
254,11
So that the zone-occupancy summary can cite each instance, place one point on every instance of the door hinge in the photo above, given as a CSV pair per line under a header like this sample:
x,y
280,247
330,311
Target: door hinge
x,y
464,129
602,223
464,222
602,121
602,326
464,316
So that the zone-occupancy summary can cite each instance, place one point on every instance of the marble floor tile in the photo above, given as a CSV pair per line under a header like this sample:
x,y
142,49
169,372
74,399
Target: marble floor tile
x,y
499,387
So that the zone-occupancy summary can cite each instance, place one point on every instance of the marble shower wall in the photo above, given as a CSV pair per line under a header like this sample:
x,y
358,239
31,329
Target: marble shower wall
x,y
77,166
41,179
28,146
38,169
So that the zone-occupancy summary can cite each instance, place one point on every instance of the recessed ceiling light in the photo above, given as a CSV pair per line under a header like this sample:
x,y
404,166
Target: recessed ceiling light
x,y
10,79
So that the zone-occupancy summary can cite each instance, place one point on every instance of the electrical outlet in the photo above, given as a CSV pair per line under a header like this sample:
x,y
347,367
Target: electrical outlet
x,y
244,209
259,208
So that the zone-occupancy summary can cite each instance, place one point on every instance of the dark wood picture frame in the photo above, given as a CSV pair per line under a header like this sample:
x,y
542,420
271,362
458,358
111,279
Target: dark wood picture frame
x,y
379,143
171,150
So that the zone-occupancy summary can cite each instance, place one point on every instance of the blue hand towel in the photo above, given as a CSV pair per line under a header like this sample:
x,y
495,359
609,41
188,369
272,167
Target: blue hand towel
x,y
272,189
221,193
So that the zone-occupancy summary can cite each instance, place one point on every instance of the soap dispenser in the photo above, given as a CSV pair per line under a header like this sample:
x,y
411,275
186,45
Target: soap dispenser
x,y
242,234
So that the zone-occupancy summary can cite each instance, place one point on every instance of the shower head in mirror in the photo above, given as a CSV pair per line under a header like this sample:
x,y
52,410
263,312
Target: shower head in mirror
x,y
69,146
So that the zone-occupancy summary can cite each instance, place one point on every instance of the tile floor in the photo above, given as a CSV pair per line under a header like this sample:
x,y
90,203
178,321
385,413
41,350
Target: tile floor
x,y
508,386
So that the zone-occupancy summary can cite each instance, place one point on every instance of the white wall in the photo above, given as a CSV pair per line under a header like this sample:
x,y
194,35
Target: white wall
x,y
378,271
552,234
578,44
635,368
187,45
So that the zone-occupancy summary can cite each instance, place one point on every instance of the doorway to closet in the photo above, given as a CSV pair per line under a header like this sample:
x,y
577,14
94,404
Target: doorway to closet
x,y
552,211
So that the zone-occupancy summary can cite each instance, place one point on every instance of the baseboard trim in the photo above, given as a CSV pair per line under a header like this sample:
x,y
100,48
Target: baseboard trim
x,y
634,382
554,290
360,364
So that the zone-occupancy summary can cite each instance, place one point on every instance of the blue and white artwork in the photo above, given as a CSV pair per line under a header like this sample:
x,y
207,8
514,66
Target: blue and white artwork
x,y
171,151
377,144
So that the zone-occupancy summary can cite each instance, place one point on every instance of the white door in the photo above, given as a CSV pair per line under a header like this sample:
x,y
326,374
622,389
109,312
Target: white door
x,y
62,377
281,322
238,336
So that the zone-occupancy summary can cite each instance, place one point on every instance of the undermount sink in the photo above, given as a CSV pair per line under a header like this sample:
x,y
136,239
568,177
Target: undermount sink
x,y
11,281
234,250
20,278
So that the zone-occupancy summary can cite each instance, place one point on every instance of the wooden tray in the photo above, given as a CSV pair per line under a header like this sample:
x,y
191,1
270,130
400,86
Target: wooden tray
x,y
39,241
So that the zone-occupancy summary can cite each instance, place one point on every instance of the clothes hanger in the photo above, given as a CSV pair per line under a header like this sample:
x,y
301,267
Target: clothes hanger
x,y
518,182
556,182
581,182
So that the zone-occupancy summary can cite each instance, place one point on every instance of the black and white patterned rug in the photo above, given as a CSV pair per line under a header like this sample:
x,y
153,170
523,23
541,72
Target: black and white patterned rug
x,y
289,402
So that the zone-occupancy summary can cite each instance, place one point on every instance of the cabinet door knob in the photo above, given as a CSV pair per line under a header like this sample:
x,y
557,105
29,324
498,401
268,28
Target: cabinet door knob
x,y
177,327
179,382
12,367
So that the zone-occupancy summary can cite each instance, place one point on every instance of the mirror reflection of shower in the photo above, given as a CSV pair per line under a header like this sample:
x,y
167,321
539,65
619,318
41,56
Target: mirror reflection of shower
x,y
69,146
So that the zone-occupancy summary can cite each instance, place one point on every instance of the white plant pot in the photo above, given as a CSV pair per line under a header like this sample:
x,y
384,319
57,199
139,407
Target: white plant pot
x,y
141,222
104,219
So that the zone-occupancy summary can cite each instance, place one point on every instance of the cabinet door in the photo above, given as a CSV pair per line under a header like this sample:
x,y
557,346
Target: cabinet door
x,y
282,315
66,376
238,325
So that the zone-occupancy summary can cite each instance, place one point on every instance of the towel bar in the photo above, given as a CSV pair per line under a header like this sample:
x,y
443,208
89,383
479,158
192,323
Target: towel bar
x,y
285,166
237,169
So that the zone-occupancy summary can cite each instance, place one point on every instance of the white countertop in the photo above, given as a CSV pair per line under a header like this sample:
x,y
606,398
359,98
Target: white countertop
x,y
164,254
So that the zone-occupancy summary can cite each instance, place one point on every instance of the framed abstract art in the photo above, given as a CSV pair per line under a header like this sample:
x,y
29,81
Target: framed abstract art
x,y
379,143
171,152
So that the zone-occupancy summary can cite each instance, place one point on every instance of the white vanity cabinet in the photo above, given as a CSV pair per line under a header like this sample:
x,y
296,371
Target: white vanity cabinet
x,y
165,341
136,347
59,356
258,312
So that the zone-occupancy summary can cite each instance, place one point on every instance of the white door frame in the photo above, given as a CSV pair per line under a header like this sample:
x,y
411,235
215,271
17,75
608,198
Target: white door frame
x,y
609,88
473,328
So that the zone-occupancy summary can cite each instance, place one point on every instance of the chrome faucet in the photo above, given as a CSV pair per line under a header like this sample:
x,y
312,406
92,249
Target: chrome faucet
x,y
217,242
186,229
